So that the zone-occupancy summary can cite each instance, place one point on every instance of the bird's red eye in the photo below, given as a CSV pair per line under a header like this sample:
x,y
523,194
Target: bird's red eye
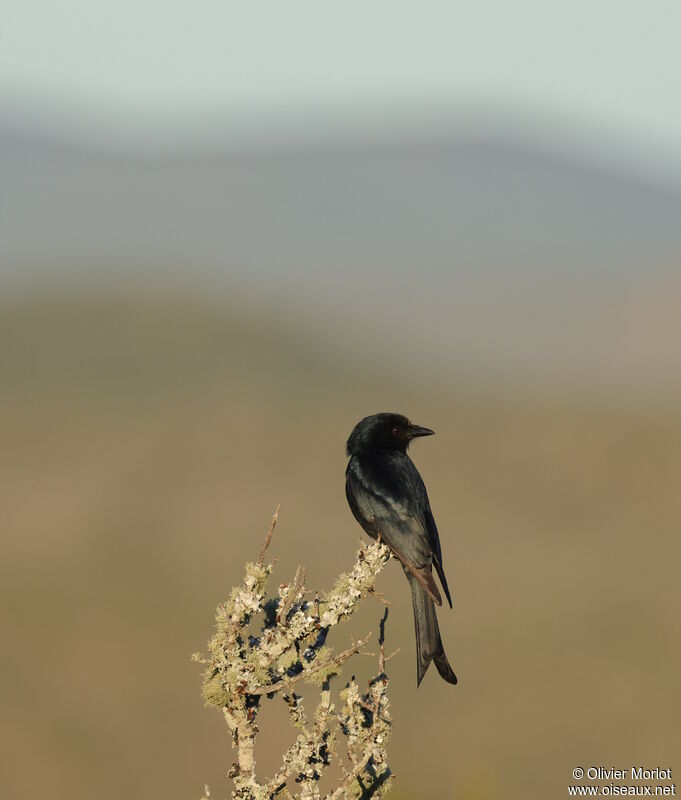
x,y
396,430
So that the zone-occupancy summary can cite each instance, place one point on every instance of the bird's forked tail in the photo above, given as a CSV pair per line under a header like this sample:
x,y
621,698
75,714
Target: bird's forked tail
x,y
428,643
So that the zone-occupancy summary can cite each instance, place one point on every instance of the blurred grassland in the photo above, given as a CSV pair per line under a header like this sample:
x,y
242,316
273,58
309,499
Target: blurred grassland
x,y
145,443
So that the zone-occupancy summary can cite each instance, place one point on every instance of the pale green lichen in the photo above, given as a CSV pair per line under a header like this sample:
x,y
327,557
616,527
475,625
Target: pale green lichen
x,y
263,648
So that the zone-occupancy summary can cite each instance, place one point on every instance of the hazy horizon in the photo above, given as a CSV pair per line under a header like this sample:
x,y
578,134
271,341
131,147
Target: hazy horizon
x,y
514,261
299,65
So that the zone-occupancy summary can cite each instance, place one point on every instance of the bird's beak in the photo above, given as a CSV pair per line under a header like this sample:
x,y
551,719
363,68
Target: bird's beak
x,y
416,430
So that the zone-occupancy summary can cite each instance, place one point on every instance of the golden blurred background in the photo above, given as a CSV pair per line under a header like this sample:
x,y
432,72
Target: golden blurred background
x,y
212,266
146,442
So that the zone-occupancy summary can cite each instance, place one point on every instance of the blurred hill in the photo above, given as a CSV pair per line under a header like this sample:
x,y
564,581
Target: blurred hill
x,y
501,257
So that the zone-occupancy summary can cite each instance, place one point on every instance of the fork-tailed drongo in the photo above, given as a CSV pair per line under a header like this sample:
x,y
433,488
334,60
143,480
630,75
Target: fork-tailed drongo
x,y
389,499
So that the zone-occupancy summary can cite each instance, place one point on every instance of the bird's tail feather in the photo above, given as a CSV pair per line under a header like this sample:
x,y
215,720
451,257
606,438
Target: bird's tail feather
x,y
428,643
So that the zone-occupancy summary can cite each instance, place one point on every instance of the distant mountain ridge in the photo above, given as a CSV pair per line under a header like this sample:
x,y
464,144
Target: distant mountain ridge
x,y
460,205
491,253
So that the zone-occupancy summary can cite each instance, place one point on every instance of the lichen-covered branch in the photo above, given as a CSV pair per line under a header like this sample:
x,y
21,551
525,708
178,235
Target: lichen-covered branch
x,y
265,648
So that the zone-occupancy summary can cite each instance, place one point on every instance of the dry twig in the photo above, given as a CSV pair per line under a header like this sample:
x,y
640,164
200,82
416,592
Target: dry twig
x,y
290,648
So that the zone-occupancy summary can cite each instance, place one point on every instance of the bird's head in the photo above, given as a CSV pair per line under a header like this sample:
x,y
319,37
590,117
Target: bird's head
x,y
383,432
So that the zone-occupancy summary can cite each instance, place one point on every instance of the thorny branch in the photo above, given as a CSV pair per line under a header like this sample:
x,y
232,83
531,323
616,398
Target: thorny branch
x,y
243,668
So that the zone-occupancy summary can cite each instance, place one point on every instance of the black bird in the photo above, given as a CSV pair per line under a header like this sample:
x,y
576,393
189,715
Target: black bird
x,y
389,499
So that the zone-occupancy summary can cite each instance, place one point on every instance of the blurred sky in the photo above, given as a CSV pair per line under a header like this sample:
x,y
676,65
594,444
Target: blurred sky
x,y
595,68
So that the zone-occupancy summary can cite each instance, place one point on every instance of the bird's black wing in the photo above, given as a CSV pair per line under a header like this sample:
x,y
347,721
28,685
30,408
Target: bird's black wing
x,y
398,525
434,538
415,489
